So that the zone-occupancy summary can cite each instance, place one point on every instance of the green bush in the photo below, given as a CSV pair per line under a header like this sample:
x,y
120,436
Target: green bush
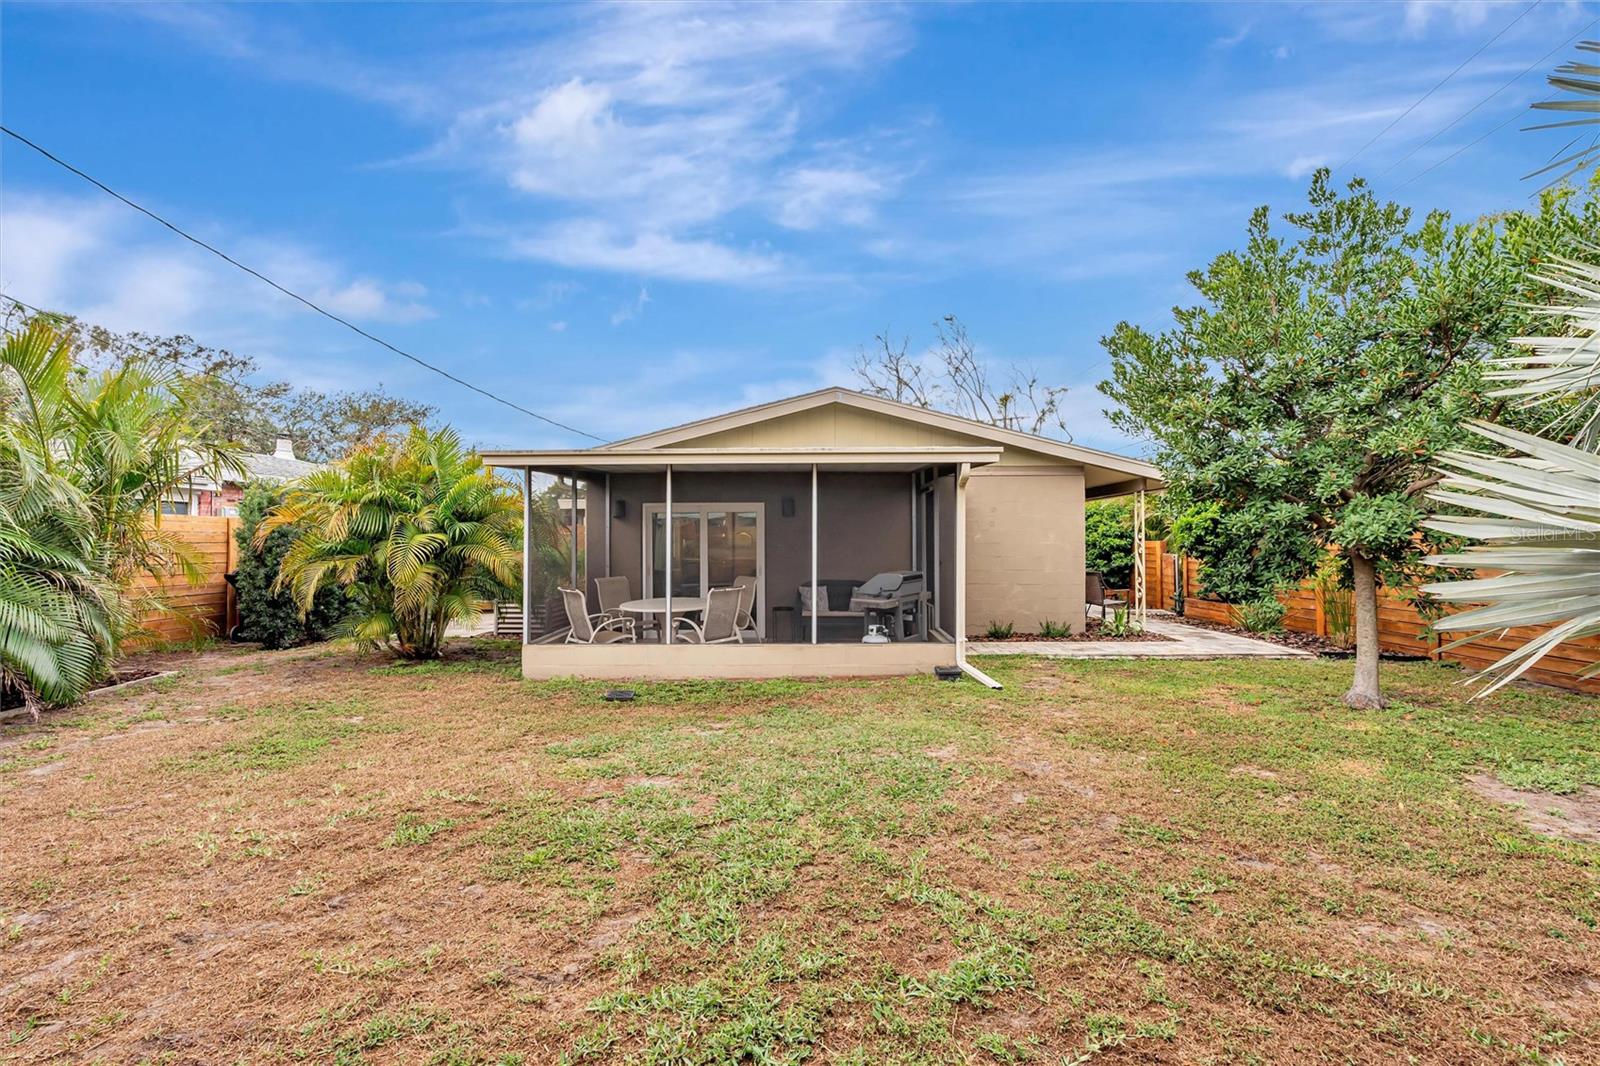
x,y
1108,541
273,618
1054,630
1264,615
999,630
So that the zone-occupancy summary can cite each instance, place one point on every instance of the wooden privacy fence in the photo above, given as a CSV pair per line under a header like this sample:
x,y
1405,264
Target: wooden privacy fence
x,y
1401,629
206,609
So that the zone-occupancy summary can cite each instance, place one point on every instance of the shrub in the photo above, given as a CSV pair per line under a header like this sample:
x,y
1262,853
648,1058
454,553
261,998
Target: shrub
x,y
272,617
1120,624
1054,630
1108,541
1264,615
999,630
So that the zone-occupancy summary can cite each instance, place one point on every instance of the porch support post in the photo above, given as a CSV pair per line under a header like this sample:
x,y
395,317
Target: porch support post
x,y
816,603
666,623
1139,604
573,539
961,559
527,555
912,565
607,564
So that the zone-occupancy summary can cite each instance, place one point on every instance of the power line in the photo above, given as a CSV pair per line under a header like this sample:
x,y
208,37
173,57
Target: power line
x,y
1467,113
225,257
1509,119
1440,84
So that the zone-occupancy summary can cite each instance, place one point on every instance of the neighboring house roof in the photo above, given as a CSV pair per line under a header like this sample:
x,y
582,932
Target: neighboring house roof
x,y
277,465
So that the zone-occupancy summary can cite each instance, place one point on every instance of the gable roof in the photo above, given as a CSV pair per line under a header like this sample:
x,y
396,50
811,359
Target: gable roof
x,y
1011,438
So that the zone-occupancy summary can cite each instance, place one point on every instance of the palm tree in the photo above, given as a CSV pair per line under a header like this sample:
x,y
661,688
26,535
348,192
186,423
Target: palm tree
x,y
415,530
85,462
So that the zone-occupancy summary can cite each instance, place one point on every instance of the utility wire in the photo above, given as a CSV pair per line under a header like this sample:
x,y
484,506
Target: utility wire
x,y
1467,113
1509,119
1440,84
225,257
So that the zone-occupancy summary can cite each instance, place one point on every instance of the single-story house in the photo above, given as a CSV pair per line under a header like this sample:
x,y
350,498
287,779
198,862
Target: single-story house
x,y
967,522
201,495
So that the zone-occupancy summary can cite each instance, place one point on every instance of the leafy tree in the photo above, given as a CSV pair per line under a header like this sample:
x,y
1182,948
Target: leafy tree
x,y
954,377
225,393
1324,369
414,530
269,615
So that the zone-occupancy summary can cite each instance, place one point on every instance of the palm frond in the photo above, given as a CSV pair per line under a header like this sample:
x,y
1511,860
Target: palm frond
x,y
1543,548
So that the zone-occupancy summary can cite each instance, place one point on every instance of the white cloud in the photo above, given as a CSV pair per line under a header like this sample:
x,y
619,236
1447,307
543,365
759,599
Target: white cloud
x,y
370,300
810,197
1303,165
103,264
647,124
596,245
631,310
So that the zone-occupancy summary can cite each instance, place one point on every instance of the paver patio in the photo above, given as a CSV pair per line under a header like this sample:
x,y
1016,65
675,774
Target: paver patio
x,y
1183,642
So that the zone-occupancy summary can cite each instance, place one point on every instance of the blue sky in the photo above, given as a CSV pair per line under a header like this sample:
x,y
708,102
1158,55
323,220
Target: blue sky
x,y
628,216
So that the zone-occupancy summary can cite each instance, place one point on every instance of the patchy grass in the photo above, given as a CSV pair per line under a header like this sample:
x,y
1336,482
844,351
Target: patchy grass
x,y
1106,862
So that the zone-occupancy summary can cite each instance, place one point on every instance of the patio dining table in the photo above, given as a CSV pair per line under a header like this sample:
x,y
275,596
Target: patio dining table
x,y
654,605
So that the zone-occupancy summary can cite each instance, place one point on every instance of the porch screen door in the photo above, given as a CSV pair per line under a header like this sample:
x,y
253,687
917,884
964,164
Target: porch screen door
x,y
713,545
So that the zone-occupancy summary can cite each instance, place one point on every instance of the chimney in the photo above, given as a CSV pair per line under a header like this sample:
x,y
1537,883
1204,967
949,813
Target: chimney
x,y
284,449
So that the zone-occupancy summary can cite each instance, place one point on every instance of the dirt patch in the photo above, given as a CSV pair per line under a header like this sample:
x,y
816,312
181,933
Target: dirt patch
x,y
1575,816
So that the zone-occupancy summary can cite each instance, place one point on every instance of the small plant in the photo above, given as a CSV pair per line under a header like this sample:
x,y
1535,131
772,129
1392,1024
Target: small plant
x,y
1120,624
1337,601
1261,616
1054,630
999,630
410,830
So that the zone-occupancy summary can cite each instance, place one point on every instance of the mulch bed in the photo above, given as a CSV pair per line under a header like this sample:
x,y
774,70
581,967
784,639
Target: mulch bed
x,y
1303,641
12,701
1095,632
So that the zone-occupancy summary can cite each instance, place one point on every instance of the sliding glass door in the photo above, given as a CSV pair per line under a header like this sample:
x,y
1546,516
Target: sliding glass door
x,y
713,545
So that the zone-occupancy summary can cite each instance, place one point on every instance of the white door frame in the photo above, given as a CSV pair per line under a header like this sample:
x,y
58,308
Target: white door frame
x,y
650,510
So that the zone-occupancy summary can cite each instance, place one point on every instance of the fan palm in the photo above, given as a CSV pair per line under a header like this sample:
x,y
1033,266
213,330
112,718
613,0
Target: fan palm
x,y
1542,540
415,530
1563,371
1583,81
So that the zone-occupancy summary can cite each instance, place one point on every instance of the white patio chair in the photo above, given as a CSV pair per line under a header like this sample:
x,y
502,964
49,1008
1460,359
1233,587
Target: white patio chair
x,y
612,592
721,620
747,600
582,627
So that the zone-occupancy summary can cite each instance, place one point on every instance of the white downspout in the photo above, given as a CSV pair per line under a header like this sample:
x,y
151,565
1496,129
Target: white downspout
x,y
971,671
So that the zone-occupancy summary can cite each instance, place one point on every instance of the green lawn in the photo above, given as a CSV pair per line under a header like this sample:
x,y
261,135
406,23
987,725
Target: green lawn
x,y
312,857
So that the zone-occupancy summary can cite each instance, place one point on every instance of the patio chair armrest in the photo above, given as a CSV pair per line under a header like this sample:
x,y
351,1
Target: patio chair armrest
x,y
604,621
700,634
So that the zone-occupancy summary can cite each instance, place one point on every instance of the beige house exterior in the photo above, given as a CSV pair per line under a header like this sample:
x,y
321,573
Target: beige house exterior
x,y
833,485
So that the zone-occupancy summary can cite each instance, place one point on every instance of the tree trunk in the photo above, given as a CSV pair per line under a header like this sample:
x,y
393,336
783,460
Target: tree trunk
x,y
1364,693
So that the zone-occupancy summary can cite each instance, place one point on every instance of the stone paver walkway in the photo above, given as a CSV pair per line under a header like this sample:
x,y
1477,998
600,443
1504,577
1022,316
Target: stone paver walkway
x,y
1185,642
